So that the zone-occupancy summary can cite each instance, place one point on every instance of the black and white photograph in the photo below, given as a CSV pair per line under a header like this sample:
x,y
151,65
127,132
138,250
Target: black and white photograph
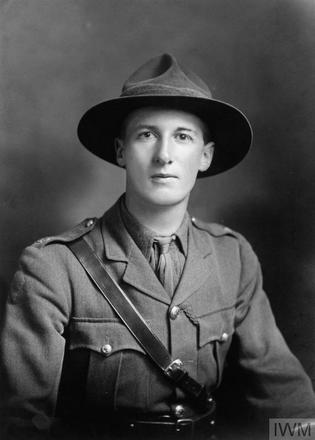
x,y
157,227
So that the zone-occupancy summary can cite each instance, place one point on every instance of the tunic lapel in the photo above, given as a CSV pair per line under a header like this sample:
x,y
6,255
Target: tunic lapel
x,y
200,266
119,246
140,275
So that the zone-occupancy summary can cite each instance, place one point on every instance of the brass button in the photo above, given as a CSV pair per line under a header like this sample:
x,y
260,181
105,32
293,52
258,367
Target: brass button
x,y
107,349
174,312
179,410
89,222
193,219
224,337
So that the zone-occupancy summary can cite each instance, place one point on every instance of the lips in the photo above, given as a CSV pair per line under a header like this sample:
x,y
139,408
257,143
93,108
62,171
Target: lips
x,y
162,176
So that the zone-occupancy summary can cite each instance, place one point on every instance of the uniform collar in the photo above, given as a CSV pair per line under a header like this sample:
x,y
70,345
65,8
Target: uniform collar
x,y
120,247
143,236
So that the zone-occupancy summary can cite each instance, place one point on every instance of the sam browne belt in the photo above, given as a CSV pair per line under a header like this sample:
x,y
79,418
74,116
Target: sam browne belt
x,y
112,292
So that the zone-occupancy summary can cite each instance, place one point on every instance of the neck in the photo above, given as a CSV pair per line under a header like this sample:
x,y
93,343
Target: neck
x,y
164,220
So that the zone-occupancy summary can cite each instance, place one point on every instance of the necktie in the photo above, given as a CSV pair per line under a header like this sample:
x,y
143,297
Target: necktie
x,y
164,267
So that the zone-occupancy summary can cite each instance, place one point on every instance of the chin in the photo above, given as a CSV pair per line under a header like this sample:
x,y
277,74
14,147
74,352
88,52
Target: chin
x,y
167,200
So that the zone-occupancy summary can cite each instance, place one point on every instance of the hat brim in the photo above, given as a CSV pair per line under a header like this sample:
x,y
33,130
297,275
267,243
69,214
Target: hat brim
x,y
228,126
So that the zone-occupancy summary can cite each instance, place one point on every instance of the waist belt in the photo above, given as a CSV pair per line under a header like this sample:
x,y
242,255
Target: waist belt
x,y
121,426
163,427
112,292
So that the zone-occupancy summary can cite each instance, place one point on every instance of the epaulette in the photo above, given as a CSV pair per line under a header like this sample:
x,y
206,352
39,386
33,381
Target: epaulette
x,y
214,229
72,234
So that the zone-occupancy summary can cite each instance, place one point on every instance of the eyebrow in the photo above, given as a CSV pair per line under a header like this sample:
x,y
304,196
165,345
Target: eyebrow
x,y
186,129
154,127
146,126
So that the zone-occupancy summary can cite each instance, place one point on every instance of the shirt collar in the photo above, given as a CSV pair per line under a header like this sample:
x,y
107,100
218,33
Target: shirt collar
x,y
144,236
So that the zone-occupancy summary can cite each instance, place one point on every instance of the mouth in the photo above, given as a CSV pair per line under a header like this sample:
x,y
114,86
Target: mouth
x,y
162,176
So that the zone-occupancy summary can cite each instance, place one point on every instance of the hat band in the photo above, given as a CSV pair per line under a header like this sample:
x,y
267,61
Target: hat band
x,y
163,90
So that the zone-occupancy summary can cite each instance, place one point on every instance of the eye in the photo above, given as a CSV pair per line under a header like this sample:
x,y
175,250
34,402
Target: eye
x,y
145,135
184,137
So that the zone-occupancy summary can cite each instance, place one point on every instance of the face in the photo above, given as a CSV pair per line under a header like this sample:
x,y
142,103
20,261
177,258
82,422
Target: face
x,y
162,151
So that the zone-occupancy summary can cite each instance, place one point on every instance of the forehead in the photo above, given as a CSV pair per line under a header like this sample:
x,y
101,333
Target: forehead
x,y
163,116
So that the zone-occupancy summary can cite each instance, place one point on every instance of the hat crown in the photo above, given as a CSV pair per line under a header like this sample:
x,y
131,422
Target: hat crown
x,y
162,76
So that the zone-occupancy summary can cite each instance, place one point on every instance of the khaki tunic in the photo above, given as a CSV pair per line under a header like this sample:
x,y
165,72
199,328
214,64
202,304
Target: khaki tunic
x,y
58,325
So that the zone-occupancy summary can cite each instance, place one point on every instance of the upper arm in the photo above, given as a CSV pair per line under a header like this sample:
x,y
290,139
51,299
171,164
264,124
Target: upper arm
x,y
274,380
32,342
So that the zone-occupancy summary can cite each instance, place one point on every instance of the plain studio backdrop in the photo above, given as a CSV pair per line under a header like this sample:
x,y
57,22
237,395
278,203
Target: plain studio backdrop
x,y
59,57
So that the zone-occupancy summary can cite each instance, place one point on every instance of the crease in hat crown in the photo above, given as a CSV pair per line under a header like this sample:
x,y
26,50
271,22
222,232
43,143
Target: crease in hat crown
x,y
162,76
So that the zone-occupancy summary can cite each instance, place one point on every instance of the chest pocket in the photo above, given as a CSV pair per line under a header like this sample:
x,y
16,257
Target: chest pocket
x,y
118,371
105,337
215,331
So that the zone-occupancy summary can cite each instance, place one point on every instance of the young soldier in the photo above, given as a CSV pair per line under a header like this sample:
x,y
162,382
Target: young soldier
x,y
68,356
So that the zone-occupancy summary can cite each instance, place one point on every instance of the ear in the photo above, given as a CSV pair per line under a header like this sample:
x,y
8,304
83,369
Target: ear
x,y
120,152
206,156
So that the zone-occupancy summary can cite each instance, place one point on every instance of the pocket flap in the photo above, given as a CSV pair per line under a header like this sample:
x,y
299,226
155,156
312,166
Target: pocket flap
x,y
217,326
104,337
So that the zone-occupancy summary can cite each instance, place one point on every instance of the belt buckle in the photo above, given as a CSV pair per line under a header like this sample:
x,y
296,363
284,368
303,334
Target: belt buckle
x,y
185,426
175,370
190,426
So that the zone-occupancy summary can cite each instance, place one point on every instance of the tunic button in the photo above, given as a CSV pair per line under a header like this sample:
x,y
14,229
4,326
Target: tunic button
x,y
174,312
107,349
224,337
179,410
193,219
89,222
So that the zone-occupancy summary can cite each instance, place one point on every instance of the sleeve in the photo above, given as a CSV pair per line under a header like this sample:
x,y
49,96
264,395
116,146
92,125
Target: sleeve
x,y
32,342
274,381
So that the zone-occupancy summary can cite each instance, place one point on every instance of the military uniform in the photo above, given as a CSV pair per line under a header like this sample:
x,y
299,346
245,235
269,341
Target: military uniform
x,y
66,354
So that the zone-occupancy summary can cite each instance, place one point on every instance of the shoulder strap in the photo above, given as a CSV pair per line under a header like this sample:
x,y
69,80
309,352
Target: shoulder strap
x,y
135,323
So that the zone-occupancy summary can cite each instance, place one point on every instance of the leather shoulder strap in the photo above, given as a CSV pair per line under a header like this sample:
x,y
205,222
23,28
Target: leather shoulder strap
x,y
112,292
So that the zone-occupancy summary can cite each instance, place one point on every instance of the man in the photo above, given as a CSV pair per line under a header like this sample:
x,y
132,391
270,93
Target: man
x,y
70,366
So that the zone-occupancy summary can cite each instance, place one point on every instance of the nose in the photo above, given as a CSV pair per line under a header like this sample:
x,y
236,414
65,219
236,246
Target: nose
x,y
163,153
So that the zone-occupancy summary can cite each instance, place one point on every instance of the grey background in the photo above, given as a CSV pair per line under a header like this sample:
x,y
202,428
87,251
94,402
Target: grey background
x,y
59,57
